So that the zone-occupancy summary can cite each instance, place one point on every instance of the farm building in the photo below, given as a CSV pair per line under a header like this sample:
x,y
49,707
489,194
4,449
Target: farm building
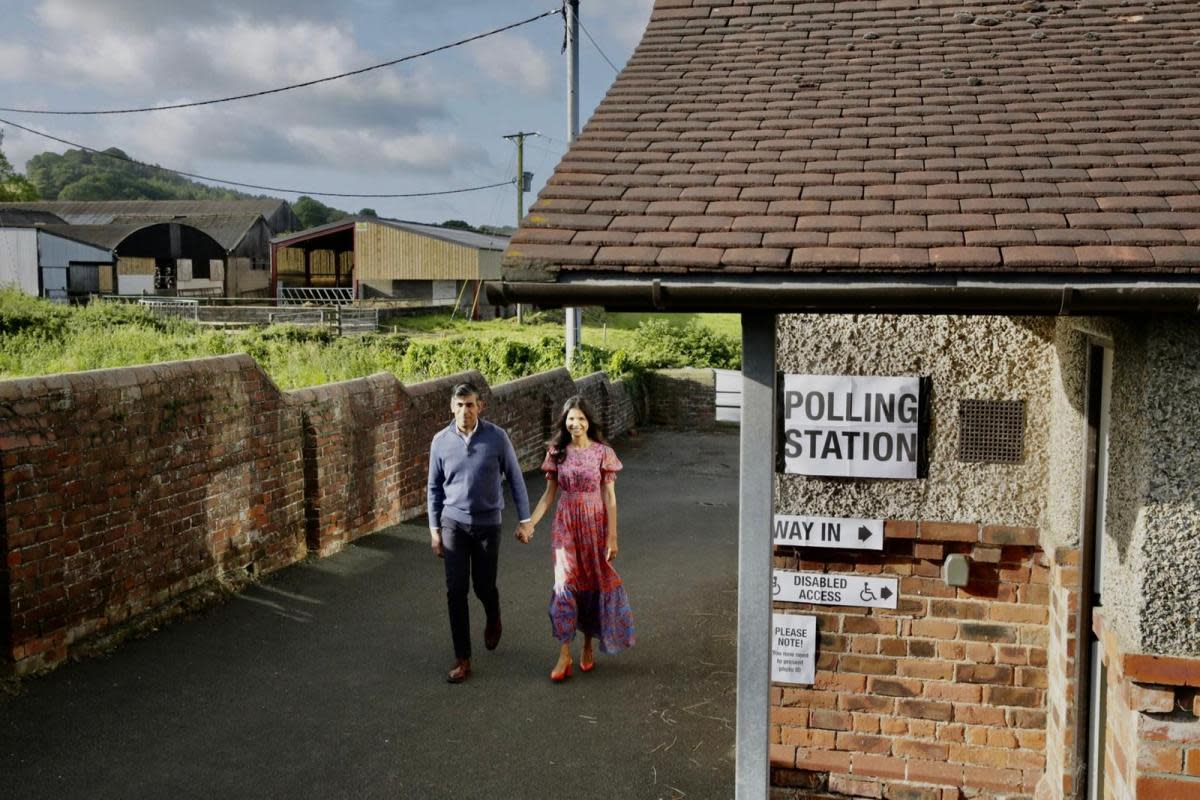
x,y
52,263
370,258
240,229
992,210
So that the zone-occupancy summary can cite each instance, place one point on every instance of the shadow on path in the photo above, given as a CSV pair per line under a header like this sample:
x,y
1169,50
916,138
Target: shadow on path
x,y
326,680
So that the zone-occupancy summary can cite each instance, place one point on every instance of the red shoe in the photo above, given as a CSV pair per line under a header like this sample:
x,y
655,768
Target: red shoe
x,y
559,677
587,667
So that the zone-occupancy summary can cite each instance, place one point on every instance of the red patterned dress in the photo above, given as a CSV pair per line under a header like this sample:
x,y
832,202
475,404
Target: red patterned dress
x,y
588,595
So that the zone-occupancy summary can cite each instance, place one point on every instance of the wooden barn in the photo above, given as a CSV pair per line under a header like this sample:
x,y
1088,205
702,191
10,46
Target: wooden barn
x,y
366,258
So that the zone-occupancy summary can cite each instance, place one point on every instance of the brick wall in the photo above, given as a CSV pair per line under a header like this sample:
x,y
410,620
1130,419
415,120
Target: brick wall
x,y
683,398
121,491
943,698
1062,678
1152,742
125,488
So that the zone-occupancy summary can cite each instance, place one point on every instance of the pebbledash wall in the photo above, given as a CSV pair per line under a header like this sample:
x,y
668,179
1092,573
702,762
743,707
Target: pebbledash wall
x,y
123,490
975,691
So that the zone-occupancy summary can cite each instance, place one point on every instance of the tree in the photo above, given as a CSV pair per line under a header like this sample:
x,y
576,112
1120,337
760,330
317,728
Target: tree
x,y
368,212
459,224
84,175
313,212
13,186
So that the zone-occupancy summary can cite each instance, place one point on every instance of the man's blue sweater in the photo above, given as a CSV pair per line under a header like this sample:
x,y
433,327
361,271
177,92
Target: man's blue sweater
x,y
464,480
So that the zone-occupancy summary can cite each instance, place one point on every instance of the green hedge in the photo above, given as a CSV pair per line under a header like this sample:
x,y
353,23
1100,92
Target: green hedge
x,y
38,338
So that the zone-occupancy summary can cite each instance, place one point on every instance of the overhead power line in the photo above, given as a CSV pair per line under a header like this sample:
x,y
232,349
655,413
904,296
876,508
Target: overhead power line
x,y
194,176
290,87
599,49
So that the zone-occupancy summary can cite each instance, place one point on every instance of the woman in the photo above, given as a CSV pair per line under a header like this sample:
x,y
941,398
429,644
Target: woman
x,y
588,595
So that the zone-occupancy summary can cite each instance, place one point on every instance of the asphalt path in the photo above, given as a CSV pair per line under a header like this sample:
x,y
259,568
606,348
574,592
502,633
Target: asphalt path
x,y
326,680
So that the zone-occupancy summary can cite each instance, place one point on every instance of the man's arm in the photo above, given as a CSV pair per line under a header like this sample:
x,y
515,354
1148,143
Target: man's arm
x,y
516,483
436,497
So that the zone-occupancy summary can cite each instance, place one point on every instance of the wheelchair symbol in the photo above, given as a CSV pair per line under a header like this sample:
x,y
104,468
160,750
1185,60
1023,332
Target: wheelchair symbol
x,y
866,594
774,585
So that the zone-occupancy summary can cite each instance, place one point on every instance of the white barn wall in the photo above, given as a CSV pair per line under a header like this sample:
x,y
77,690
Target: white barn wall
x,y
19,259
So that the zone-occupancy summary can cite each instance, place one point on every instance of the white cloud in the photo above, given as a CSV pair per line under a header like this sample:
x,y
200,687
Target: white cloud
x,y
514,60
625,19
181,139
16,61
149,15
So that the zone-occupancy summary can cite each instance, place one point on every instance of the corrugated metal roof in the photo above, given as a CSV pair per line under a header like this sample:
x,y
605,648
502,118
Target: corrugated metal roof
x,y
103,212
104,236
479,241
227,229
19,218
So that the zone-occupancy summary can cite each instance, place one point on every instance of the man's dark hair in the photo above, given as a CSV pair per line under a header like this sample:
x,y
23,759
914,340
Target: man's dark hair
x,y
464,390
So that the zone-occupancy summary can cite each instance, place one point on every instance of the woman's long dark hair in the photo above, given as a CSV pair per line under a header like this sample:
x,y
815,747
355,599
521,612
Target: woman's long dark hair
x,y
562,437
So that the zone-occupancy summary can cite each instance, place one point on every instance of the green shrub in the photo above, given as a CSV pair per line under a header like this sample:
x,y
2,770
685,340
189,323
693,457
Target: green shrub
x,y
661,345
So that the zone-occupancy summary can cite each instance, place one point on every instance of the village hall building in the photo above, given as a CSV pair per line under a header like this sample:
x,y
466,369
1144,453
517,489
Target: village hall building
x,y
973,228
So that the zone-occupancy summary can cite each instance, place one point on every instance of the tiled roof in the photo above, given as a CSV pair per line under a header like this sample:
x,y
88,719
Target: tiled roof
x,y
885,135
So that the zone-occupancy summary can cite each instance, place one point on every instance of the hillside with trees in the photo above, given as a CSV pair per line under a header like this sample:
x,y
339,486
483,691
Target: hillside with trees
x,y
14,187
84,175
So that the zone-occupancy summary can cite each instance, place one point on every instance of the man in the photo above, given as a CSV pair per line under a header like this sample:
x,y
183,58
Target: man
x,y
466,461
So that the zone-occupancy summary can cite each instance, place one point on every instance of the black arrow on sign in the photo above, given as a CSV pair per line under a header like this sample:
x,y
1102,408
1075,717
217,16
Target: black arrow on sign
x,y
885,593
864,533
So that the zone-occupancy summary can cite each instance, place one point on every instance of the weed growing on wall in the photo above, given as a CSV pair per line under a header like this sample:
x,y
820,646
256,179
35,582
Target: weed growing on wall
x,y
39,338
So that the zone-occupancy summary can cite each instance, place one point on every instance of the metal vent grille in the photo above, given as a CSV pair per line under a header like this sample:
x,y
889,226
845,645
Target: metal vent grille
x,y
991,431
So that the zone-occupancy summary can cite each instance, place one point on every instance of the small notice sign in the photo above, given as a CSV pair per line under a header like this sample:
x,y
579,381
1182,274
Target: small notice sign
x,y
838,532
834,589
794,648
853,426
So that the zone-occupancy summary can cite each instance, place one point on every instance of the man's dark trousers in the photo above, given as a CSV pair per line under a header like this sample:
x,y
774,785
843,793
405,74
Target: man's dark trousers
x,y
472,555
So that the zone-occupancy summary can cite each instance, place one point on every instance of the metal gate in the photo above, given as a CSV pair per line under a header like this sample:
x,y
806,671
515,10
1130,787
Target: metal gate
x,y
729,395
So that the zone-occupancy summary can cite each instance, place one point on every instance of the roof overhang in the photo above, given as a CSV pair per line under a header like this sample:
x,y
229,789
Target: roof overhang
x,y
1043,294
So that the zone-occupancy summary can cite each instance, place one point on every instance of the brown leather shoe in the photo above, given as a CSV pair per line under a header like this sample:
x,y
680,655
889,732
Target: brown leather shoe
x,y
491,634
461,671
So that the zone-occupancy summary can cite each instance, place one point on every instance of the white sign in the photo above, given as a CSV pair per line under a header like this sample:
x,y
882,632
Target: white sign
x,y
794,648
834,589
851,426
846,534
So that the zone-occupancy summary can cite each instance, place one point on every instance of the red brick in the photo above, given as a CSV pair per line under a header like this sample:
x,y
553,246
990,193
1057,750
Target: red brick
x,y
823,761
935,772
895,687
782,755
878,766
993,779
948,532
1160,758
855,788
907,748
1158,788
830,720
858,743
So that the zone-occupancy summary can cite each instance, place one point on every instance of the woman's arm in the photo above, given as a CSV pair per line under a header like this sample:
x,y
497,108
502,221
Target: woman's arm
x,y
543,505
609,493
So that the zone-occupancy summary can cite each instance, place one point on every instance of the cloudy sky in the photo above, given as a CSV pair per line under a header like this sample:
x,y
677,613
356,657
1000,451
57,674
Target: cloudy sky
x,y
426,125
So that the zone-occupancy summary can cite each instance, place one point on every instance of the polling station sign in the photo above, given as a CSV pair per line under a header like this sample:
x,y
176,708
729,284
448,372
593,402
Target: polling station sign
x,y
853,426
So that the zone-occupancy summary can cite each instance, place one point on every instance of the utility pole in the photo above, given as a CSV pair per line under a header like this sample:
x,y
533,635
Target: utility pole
x,y
523,181
573,315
